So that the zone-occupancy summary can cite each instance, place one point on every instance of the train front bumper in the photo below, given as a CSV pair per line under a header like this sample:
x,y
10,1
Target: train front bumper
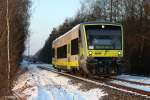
x,y
98,65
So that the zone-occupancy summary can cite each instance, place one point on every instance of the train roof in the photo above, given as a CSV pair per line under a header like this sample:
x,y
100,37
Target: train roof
x,y
101,22
78,25
66,33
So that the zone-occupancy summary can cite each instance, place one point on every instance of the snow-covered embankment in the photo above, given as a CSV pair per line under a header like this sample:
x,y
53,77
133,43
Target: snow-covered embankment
x,y
37,84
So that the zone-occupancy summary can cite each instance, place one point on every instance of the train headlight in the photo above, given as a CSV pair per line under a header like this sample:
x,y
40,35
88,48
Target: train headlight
x,y
90,52
103,26
119,53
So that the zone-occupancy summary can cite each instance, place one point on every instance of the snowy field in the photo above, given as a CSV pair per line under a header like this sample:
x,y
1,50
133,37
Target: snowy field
x,y
37,84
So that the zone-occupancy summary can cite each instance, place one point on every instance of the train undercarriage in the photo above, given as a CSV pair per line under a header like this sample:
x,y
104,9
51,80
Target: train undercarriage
x,y
102,66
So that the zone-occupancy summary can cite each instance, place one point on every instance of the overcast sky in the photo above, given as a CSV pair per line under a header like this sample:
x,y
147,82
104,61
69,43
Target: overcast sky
x,y
47,14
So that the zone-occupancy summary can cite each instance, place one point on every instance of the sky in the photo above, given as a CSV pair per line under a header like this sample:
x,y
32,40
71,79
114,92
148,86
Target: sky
x,y
45,15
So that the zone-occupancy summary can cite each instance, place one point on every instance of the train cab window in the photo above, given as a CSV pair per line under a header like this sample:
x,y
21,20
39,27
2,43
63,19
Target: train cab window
x,y
53,52
74,47
62,52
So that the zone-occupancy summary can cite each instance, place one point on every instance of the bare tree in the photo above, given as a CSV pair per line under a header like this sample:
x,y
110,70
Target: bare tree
x,y
14,15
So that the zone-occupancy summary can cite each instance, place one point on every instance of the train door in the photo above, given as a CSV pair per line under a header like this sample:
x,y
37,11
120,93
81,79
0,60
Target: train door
x,y
68,55
80,46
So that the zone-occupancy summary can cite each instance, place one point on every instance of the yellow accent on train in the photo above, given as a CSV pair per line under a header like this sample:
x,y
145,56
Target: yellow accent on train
x,y
105,53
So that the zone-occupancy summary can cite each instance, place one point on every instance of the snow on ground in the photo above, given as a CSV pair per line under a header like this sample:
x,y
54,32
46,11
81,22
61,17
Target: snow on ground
x,y
140,87
37,84
140,79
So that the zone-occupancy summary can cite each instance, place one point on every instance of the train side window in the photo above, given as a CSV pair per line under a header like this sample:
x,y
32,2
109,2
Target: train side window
x,y
62,52
74,47
53,52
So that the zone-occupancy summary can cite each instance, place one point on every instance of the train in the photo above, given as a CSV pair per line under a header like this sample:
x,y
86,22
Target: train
x,y
92,48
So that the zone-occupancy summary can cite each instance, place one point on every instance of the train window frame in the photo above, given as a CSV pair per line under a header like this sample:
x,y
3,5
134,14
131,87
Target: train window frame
x,y
75,46
61,54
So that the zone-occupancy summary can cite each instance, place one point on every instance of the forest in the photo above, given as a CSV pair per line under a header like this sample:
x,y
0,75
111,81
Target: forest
x,y
134,15
14,23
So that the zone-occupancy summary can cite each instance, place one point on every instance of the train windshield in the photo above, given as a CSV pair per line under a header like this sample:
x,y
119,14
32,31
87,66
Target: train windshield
x,y
104,37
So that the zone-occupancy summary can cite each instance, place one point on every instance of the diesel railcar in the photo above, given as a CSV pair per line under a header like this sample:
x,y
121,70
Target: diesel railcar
x,y
91,48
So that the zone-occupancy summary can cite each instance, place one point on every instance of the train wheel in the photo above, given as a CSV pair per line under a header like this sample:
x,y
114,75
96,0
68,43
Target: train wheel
x,y
72,71
59,70
112,70
115,70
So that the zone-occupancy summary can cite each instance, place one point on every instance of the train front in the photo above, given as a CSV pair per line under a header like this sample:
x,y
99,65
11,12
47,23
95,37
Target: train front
x,y
104,44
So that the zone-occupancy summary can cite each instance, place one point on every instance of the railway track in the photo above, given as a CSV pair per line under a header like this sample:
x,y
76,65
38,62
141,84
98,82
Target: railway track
x,y
142,92
107,83
133,82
